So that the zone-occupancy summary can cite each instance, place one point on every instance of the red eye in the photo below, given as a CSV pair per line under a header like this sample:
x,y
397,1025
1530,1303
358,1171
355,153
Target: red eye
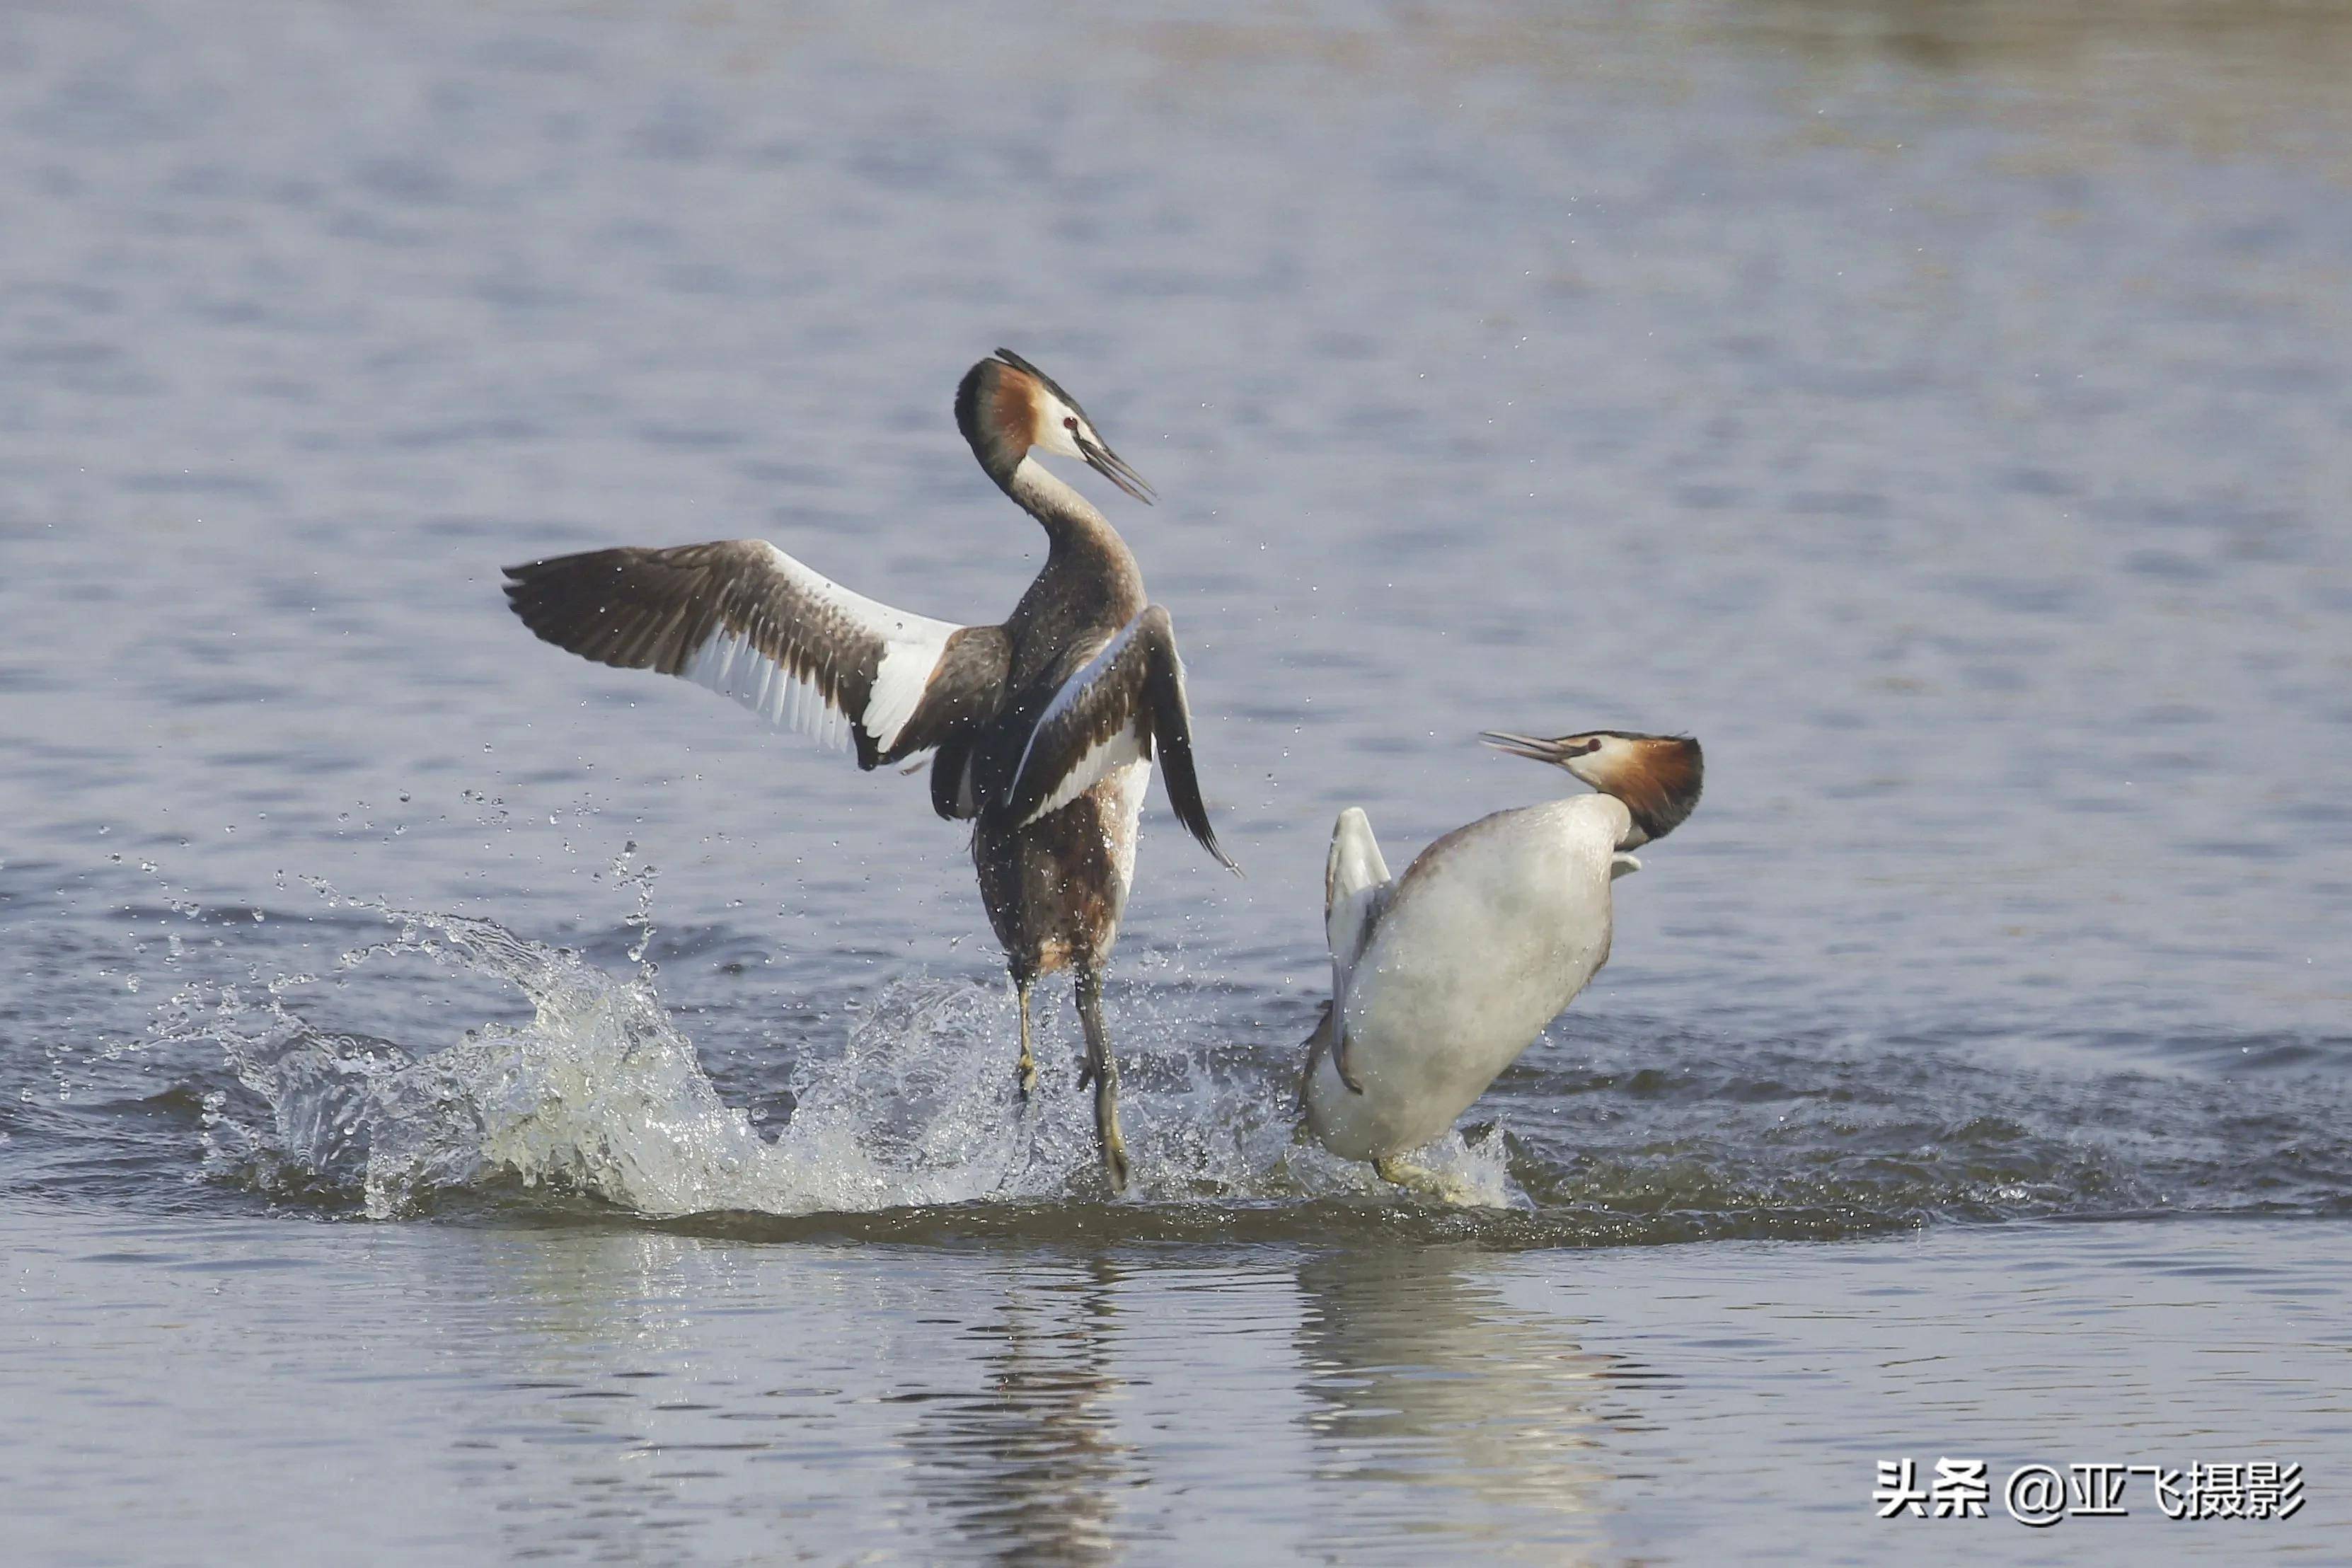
x,y
1071,423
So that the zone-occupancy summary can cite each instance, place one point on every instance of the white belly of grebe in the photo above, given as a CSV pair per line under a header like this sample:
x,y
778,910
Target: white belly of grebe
x,y
1485,938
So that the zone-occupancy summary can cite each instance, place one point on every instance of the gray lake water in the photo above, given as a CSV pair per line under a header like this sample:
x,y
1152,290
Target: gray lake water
x,y
461,1104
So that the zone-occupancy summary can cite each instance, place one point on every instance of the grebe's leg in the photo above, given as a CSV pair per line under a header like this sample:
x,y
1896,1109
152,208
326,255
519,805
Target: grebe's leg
x,y
1102,1071
1027,1071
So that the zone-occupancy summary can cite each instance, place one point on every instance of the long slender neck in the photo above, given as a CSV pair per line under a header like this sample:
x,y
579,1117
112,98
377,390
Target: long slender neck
x,y
1089,578
1071,522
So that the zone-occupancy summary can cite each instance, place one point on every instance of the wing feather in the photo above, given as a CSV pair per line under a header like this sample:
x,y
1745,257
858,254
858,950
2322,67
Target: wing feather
x,y
752,624
1356,892
1356,887
1125,702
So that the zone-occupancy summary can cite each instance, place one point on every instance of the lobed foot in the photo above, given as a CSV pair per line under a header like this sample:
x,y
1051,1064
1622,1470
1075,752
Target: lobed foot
x,y
1454,1190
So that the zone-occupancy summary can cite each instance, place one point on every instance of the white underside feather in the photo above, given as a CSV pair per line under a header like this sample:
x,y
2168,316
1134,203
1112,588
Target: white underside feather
x,y
1099,759
729,664
732,668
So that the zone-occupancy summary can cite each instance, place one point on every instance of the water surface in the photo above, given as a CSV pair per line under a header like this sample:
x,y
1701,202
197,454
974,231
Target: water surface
x,y
408,1035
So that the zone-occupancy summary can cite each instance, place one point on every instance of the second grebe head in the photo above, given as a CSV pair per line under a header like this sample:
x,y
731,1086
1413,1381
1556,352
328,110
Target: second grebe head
x,y
1657,776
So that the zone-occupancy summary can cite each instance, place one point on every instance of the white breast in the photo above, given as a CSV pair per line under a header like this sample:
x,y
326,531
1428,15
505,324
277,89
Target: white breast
x,y
1490,933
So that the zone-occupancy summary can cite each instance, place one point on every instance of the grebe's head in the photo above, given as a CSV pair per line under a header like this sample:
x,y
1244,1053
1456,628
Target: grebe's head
x,y
1657,776
1007,406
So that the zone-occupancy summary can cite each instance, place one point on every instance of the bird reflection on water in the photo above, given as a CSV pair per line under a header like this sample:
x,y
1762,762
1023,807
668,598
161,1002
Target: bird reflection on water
x,y
1030,1467
1446,1411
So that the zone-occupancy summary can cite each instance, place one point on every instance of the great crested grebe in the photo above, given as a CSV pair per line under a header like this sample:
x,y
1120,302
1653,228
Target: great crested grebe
x,y
1441,977
1043,728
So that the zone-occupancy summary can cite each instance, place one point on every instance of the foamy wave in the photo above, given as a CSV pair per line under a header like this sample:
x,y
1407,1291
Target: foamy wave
x,y
600,1094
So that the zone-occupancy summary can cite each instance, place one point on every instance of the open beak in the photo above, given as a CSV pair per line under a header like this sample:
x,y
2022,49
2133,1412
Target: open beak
x,y
1113,467
1556,753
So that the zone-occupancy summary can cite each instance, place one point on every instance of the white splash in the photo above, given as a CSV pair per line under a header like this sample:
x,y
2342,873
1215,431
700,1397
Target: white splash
x,y
600,1094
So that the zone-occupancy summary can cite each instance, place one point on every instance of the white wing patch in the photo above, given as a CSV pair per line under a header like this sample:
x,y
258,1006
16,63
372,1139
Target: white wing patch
x,y
1121,749
1098,759
899,681
732,665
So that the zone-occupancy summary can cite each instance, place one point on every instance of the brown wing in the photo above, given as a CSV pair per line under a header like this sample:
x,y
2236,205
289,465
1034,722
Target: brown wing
x,y
749,622
1124,703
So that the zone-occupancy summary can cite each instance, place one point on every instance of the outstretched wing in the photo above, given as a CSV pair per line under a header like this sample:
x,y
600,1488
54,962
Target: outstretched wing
x,y
1356,887
749,622
1122,704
